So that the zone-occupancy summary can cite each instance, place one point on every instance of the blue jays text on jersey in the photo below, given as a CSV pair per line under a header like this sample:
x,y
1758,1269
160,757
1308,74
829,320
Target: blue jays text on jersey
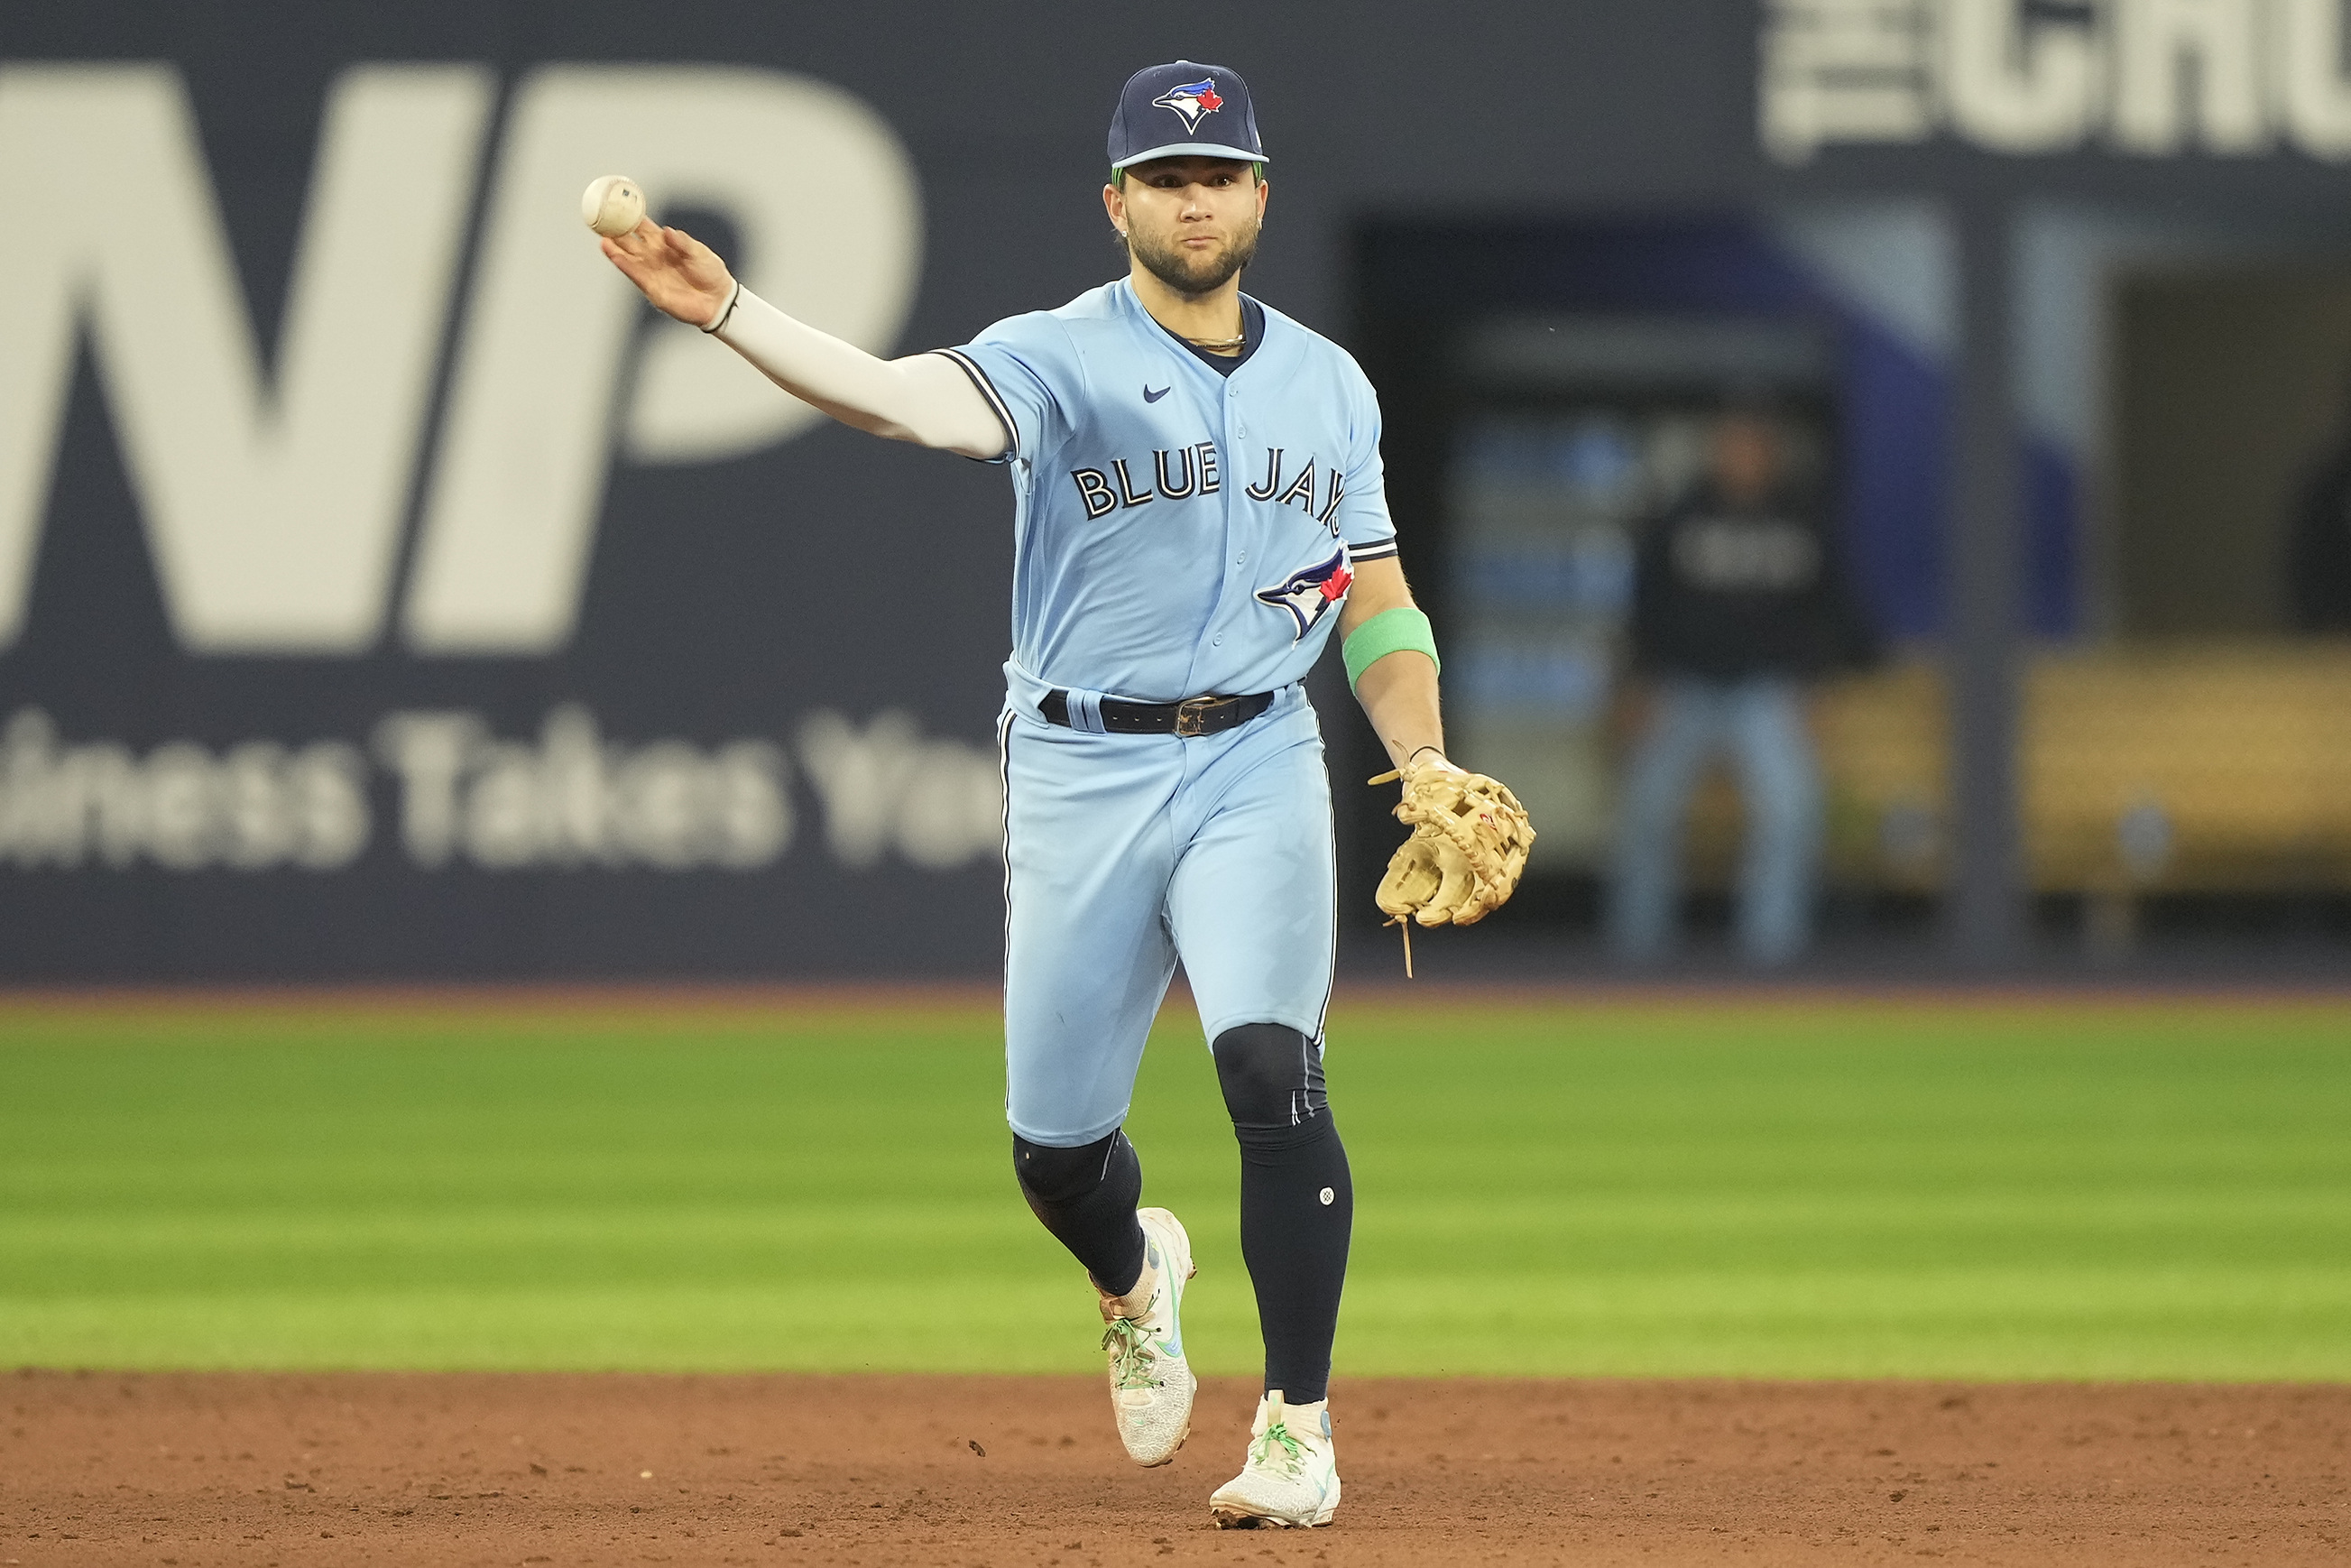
x,y
1178,531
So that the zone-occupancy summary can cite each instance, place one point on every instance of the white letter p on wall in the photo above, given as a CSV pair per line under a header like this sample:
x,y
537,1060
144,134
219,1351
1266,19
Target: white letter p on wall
x,y
823,196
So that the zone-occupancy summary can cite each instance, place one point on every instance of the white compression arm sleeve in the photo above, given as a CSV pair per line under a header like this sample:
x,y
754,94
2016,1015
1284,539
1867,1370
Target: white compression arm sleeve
x,y
926,399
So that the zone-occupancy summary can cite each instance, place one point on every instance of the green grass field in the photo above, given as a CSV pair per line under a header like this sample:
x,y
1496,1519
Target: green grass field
x,y
1909,1187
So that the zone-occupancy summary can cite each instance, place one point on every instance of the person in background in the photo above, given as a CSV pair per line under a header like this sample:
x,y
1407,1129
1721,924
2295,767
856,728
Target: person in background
x,y
2319,546
1738,602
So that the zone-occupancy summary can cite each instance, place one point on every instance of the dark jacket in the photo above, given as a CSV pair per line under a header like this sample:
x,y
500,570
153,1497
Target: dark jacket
x,y
2318,558
1724,593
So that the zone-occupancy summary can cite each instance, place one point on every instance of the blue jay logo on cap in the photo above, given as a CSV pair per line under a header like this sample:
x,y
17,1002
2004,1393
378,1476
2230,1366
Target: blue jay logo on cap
x,y
1191,101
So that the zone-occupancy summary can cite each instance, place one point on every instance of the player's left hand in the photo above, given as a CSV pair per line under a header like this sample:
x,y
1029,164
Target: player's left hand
x,y
1469,844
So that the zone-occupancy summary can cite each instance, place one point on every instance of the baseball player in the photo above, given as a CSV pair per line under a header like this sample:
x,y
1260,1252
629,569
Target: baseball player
x,y
1197,504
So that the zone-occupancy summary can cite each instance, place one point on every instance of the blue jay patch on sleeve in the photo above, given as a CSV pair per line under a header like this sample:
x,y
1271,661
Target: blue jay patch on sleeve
x,y
1307,595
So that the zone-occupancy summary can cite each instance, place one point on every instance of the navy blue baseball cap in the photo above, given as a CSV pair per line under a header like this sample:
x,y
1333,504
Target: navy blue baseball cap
x,y
1169,112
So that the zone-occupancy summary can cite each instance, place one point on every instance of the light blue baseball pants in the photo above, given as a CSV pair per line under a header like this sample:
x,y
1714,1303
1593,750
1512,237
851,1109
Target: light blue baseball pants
x,y
1124,853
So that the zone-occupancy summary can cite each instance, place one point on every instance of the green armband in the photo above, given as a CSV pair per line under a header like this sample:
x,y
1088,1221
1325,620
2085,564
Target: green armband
x,y
1389,631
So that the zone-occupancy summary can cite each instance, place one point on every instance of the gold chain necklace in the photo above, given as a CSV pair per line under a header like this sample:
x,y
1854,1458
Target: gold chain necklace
x,y
1214,344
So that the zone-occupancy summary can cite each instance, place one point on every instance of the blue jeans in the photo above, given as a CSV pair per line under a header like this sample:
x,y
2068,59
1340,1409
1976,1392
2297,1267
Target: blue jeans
x,y
1760,722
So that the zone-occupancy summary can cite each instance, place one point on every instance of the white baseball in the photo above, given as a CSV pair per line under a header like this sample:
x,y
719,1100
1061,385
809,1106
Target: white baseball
x,y
613,206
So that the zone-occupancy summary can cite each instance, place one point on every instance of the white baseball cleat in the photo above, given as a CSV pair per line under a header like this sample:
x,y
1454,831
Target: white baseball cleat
x,y
1151,1383
1292,1478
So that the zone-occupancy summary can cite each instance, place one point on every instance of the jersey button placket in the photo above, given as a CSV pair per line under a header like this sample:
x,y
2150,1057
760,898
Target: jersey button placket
x,y
1235,427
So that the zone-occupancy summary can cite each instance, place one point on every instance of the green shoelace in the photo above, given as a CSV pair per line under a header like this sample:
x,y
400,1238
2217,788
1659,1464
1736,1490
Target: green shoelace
x,y
1125,1338
1261,1451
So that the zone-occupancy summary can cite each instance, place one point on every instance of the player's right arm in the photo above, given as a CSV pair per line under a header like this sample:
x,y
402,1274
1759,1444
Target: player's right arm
x,y
924,399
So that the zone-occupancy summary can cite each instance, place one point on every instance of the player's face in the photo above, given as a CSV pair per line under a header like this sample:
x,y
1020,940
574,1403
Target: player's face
x,y
1192,222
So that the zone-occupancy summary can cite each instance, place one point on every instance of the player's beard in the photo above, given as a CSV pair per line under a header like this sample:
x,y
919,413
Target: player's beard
x,y
1187,274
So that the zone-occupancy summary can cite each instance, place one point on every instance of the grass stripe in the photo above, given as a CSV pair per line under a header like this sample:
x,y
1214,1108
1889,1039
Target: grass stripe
x,y
1790,1186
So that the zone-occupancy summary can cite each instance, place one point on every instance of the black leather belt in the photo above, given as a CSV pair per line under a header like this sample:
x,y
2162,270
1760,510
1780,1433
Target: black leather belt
x,y
1193,715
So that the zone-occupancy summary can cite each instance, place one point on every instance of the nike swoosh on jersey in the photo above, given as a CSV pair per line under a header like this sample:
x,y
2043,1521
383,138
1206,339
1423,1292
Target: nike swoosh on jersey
x,y
1150,396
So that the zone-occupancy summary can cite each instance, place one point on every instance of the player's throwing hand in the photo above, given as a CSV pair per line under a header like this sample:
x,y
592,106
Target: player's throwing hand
x,y
683,276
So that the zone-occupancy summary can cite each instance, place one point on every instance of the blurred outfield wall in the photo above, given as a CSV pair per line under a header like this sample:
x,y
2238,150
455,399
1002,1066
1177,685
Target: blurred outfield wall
x,y
383,591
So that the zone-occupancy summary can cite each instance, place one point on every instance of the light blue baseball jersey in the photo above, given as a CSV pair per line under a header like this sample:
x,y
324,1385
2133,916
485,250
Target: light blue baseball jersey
x,y
1178,531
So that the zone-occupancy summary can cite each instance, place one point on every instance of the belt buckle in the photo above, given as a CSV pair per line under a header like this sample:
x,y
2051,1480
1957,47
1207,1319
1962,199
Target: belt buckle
x,y
1191,714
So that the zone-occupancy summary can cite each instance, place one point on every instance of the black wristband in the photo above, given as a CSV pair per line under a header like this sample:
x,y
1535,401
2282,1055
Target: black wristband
x,y
727,314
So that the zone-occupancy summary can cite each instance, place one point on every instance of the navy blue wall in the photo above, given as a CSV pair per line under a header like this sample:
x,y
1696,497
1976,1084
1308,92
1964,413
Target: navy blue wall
x,y
834,573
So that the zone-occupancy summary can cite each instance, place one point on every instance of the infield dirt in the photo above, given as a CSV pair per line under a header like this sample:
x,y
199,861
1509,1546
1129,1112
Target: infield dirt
x,y
184,1470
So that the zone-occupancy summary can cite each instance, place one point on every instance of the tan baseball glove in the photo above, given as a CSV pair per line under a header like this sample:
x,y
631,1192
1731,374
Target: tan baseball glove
x,y
1468,845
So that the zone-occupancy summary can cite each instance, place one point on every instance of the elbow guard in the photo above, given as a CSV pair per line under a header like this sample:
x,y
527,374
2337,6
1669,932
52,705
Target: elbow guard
x,y
1394,630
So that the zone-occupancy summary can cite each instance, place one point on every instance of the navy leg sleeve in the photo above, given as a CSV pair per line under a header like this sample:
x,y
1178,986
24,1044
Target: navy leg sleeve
x,y
1298,1202
1086,1196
